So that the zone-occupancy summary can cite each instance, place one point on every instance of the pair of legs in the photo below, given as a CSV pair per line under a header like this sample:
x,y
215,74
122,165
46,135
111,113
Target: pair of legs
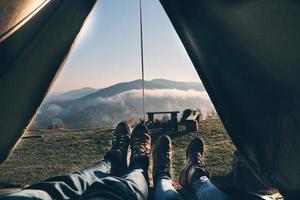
x,y
113,179
91,183
192,175
110,179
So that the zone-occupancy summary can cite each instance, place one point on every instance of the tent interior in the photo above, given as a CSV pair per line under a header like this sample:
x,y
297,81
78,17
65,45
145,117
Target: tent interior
x,y
245,52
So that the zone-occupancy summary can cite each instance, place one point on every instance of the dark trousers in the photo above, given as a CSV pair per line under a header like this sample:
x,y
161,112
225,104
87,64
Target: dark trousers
x,y
93,182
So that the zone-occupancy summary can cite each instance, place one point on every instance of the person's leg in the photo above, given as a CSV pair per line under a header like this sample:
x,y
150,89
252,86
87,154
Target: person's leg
x,y
163,184
63,187
195,175
205,190
134,184
164,189
74,185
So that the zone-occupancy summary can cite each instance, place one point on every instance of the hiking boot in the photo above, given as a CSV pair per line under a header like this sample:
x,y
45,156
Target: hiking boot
x,y
162,158
194,166
140,143
120,145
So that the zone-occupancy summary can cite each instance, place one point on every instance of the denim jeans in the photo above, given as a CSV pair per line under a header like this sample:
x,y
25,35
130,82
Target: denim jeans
x,y
164,190
205,190
91,183
202,187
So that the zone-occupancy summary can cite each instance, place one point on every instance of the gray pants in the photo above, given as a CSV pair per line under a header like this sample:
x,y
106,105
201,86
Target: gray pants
x,y
91,183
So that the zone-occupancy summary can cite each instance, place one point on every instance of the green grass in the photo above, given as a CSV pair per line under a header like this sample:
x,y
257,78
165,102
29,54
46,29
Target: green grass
x,y
65,151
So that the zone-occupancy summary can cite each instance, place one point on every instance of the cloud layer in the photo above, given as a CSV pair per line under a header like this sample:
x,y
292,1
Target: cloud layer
x,y
127,105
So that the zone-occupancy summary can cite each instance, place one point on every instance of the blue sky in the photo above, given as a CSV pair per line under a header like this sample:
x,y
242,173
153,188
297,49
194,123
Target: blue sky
x,y
108,49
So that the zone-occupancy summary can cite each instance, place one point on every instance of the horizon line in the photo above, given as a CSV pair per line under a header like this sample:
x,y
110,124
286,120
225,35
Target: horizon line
x,y
112,84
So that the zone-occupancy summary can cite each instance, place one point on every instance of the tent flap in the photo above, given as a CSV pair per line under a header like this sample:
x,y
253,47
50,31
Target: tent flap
x,y
247,55
31,56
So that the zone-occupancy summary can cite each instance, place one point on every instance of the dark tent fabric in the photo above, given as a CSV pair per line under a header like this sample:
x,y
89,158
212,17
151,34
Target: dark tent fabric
x,y
35,38
247,55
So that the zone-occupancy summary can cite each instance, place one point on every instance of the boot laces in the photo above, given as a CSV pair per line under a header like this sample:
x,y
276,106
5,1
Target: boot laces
x,y
196,159
119,141
163,162
139,147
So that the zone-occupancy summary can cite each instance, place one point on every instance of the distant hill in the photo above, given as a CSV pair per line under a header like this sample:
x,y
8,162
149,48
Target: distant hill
x,y
89,107
70,95
198,86
153,84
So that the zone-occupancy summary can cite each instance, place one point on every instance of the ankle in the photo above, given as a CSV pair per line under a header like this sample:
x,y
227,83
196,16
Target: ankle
x,y
113,155
161,176
200,175
118,164
141,162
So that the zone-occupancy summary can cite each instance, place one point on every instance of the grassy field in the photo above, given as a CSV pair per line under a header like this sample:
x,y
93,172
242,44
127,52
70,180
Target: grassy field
x,y
65,151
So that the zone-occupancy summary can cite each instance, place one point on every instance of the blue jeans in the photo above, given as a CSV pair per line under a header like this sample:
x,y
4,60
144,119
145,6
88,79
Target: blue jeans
x,y
164,190
91,183
205,190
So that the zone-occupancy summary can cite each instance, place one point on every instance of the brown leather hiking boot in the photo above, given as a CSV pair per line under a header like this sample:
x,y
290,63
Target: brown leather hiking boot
x,y
140,142
162,156
194,166
120,145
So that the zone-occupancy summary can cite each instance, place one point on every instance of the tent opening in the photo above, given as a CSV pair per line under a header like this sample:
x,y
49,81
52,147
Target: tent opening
x,y
100,86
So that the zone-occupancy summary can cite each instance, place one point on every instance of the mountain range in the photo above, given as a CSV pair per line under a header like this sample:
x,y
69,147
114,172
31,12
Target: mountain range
x,y
70,95
90,107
